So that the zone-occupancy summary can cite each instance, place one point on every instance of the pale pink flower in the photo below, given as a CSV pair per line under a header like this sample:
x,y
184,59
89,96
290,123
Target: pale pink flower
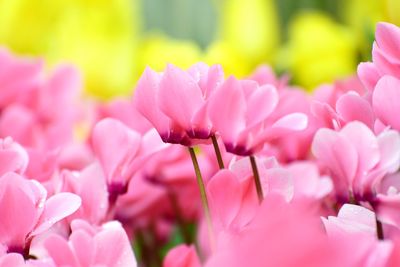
x,y
357,159
87,246
175,101
121,151
240,121
26,211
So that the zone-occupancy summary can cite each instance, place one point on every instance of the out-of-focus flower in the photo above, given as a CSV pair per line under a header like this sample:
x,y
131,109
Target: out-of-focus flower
x,y
98,36
250,28
319,50
107,245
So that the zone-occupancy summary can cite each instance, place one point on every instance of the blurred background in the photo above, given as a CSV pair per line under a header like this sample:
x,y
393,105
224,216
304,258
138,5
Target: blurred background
x,y
111,41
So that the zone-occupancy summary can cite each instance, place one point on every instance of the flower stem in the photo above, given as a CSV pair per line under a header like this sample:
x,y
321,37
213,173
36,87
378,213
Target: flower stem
x,y
256,176
203,196
217,152
379,229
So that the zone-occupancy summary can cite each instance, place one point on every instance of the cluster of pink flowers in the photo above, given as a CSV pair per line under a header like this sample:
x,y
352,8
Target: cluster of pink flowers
x,y
268,174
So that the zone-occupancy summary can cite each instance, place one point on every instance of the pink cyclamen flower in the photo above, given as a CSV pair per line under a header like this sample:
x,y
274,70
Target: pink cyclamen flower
x,y
175,101
13,157
238,111
87,246
357,159
26,211
121,151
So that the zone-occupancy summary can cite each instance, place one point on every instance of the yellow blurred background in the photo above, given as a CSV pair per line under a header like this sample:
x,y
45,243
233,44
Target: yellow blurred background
x,y
111,41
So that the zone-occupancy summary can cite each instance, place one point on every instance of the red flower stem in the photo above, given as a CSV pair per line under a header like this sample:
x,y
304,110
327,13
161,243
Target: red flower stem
x,y
256,176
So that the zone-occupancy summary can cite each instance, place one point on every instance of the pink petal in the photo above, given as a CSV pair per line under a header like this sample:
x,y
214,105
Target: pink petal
x,y
227,109
385,101
115,145
352,107
19,213
224,194
83,247
388,208
113,247
57,208
339,155
389,148
368,74
358,214
60,252
145,100
365,142
261,104
388,38
288,124
182,256
179,96
13,157
12,260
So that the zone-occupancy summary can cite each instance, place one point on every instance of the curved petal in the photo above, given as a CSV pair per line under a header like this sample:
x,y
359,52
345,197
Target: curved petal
x,y
368,74
387,36
179,96
115,145
352,107
261,104
19,213
227,110
339,155
57,208
224,193
113,247
145,100
385,101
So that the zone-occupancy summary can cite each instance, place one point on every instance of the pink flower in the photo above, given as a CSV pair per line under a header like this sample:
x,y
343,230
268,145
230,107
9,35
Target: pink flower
x,y
356,159
240,120
90,185
175,102
89,246
385,56
26,211
121,152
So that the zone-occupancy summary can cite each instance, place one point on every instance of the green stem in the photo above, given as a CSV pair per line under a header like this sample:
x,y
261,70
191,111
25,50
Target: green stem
x,y
217,152
203,196
256,176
